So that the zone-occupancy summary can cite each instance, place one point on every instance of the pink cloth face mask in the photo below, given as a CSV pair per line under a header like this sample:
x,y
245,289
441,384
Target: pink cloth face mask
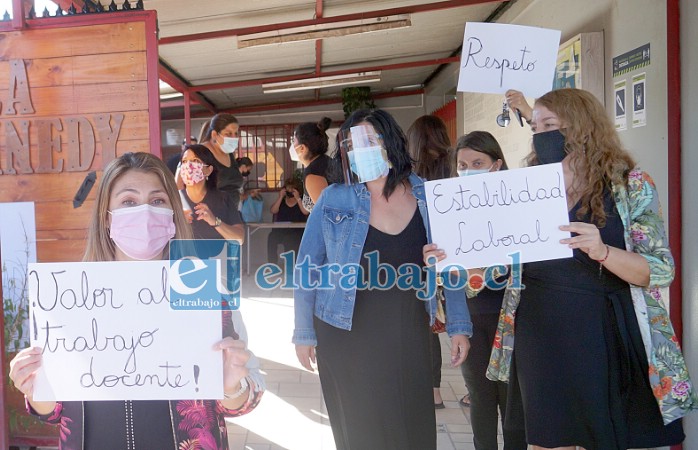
x,y
192,172
143,231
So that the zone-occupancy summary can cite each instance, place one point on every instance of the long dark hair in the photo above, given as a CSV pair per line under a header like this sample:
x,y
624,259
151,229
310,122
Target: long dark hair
x,y
313,136
483,142
217,123
204,154
393,140
430,148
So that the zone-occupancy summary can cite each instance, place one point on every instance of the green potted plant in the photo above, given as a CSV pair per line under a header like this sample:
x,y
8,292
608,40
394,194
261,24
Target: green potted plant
x,y
354,98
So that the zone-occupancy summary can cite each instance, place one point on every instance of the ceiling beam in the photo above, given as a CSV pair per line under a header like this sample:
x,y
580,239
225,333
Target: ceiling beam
x,y
328,101
322,20
255,82
175,80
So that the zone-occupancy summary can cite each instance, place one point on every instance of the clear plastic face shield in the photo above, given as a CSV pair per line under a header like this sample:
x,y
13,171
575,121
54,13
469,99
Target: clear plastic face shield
x,y
362,153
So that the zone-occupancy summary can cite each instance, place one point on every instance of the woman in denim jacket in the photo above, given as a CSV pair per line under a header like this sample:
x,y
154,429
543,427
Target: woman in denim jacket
x,y
373,349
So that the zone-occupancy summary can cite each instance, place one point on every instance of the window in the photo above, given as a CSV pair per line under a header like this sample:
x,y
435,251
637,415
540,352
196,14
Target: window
x,y
267,147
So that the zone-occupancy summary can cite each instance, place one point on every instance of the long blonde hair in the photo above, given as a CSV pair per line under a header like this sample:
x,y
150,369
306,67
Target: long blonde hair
x,y
100,247
596,154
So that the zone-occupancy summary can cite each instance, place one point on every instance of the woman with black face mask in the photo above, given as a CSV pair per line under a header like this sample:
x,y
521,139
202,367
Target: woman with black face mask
x,y
595,359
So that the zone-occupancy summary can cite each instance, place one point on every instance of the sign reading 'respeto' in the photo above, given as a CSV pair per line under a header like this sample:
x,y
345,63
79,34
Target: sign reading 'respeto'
x,y
107,332
498,57
500,217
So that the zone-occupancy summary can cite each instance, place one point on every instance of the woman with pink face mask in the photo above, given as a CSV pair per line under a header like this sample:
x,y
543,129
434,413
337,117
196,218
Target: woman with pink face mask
x,y
137,212
207,209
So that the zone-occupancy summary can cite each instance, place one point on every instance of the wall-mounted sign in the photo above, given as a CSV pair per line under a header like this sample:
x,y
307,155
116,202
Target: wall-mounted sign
x,y
634,59
639,100
620,106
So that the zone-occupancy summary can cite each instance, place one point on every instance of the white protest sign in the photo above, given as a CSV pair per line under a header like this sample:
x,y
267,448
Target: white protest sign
x,y
481,220
108,333
497,57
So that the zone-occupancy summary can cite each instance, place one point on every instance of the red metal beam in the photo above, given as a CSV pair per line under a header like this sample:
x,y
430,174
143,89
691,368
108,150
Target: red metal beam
x,y
181,85
327,101
152,62
407,65
674,165
4,418
321,20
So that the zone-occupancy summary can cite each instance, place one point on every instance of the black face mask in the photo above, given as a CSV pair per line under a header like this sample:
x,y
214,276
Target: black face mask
x,y
244,174
549,147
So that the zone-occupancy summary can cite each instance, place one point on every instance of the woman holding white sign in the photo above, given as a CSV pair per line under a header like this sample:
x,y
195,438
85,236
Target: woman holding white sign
x,y
138,210
595,359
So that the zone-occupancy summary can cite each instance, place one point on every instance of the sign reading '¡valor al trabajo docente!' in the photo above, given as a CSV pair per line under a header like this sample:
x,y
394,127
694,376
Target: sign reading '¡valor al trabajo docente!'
x,y
79,142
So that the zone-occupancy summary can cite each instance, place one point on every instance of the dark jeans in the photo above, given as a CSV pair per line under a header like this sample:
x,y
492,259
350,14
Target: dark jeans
x,y
487,398
290,238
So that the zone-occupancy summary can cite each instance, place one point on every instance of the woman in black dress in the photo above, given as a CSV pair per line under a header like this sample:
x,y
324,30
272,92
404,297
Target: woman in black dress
x,y
595,358
221,137
287,208
310,143
373,347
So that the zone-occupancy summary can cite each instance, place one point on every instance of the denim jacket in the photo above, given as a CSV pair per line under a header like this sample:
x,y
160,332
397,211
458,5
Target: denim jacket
x,y
335,234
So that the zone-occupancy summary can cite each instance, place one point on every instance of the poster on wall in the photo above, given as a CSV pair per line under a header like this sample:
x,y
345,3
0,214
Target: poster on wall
x,y
568,71
497,57
18,249
620,105
639,100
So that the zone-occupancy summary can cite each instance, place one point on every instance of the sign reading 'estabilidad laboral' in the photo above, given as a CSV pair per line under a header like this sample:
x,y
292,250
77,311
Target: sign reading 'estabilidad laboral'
x,y
497,57
481,220
108,333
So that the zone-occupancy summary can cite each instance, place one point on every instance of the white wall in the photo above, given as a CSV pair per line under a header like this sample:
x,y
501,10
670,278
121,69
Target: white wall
x,y
689,145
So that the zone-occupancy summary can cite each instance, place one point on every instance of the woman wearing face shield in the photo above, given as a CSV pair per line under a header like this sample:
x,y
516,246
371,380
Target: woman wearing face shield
x,y
371,331
595,357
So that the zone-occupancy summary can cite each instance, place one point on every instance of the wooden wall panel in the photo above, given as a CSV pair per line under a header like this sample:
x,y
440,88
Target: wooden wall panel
x,y
72,74
87,40
85,99
79,70
60,251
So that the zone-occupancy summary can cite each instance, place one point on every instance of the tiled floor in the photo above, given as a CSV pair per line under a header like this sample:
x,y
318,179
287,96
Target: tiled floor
x,y
292,414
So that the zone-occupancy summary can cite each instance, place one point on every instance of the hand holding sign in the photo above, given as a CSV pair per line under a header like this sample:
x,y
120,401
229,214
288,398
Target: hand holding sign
x,y
107,332
492,64
481,220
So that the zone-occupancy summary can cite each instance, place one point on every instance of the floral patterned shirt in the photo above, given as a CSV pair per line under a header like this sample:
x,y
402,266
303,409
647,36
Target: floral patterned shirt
x,y
638,206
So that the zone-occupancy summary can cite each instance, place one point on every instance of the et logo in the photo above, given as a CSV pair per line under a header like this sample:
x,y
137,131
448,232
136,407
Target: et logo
x,y
204,274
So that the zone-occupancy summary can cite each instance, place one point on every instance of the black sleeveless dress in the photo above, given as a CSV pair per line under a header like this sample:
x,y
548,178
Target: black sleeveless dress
x,y
376,378
579,362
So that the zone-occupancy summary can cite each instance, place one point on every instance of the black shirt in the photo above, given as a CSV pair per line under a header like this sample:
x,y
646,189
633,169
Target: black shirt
x,y
317,167
230,180
219,204
290,213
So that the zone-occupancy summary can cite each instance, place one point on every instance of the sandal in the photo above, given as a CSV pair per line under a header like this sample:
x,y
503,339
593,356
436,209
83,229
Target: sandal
x,y
465,401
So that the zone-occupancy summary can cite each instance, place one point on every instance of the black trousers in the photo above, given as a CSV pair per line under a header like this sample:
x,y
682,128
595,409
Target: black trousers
x,y
488,399
289,238
436,359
